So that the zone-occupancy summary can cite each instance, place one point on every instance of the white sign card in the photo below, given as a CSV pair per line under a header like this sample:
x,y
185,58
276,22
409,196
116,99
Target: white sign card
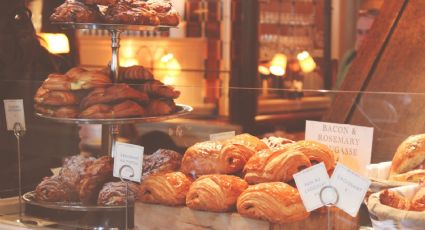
x,y
351,189
309,183
352,144
222,136
128,161
14,110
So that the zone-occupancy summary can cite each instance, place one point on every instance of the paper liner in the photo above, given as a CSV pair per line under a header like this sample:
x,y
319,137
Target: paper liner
x,y
379,173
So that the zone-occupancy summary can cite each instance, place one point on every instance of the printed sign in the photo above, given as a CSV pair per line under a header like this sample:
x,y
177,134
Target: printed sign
x,y
128,161
351,189
222,136
14,110
309,183
352,144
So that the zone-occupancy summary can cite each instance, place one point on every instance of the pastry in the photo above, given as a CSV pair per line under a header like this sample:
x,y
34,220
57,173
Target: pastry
x,y
57,111
167,189
72,81
408,163
275,165
418,200
170,18
115,93
157,107
116,193
156,89
100,2
73,169
55,98
248,141
393,199
161,161
216,193
124,109
95,176
76,11
276,142
317,153
53,189
131,13
160,6
135,74
275,202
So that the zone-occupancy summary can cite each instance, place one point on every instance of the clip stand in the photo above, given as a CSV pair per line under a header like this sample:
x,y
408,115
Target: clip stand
x,y
126,190
330,199
20,132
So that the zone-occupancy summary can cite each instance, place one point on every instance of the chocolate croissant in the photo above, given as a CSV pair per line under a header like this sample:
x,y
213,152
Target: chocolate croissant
x,y
272,166
316,152
275,202
116,193
216,193
167,189
410,156
54,189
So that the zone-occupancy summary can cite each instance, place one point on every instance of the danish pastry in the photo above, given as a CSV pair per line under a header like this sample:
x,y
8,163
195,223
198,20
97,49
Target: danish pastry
x,y
216,193
115,193
167,189
73,169
76,11
53,189
161,161
275,202
273,166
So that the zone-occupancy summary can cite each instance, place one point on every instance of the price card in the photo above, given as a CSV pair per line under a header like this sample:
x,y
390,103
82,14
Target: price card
x,y
351,188
352,144
310,182
128,161
222,136
14,110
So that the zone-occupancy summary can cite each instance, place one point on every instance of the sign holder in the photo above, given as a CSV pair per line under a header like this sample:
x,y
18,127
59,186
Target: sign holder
x,y
126,189
329,204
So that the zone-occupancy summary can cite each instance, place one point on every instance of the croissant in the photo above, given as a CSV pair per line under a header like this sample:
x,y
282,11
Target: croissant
x,y
54,98
76,79
275,202
271,166
248,141
135,74
170,18
393,199
157,107
57,111
100,2
76,11
115,193
418,200
168,189
157,89
410,155
276,142
216,193
53,189
124,109
316,152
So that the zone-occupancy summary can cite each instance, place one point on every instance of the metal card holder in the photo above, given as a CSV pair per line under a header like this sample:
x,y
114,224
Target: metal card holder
x,y
329,203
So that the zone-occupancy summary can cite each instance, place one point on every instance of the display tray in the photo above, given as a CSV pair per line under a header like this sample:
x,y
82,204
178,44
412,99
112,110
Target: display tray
x,y
106,26
181,110
79,215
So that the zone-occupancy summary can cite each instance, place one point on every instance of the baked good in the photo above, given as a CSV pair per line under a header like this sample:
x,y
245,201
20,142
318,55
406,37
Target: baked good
x,y
115,193
216,193
275,202
76,11
393,199
55,98
131,13
248,141
275,165
158,107
99,2
156,89
73,169
135,74
112,94
418,200
124,109
57,111
161,161
53,189
170,18
160,6
95,176
316,152
167,189
276,142
410,156
77,79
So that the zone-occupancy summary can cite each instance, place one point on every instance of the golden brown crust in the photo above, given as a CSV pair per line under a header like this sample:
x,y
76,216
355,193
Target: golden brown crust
x,y
99,2
216,193
273,166
317,153
77,79
76,11
276,202
73,169
96,175
124,109
167,189
135,74
161,161
158,107
53,189
55,98
276,142
131,13
410,155
393,199
248,141
57,111
115,193
170,18
418,200
156,89
160,6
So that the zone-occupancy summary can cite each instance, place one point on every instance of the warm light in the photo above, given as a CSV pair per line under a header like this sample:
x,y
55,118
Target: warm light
x,y
127,62
307,63
263,69
167,58
55,43
278,65
168,68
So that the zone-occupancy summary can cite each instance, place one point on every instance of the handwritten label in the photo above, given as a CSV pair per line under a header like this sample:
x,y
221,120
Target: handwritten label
x,y
14,110
309,183
128,161
352,144
350,187
222,136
